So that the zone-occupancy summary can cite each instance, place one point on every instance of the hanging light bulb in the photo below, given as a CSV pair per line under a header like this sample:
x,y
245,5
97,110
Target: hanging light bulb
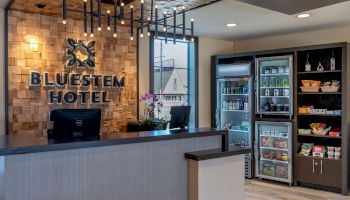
x,y
85,34
108,20
165,21
192,26
141,35
115,35
99,15
122,13
131,38
64,12
92,35
115,21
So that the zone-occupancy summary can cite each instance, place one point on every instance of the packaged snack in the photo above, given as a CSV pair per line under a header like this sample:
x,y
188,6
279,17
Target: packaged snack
x,y
318,151
306,149
305,83
281,144
335,83
281,171
267,142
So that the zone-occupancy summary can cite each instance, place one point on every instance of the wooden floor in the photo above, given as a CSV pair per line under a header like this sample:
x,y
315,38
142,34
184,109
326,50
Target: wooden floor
x,y
257,190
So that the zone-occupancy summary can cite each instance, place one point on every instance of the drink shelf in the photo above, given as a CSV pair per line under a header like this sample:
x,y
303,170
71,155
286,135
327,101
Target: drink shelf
x,y
273,148
234,94
273,160
277,87
244,111
274,96
237,130
273,75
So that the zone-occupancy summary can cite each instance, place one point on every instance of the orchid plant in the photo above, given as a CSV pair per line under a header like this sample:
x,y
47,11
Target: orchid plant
x,y
152,104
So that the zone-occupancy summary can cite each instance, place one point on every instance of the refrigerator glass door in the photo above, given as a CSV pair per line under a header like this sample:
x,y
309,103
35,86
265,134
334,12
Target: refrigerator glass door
x,y
234,109
273,151
274,94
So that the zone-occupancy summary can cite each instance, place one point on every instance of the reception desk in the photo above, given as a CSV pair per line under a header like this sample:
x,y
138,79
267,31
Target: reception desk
x,y
127,166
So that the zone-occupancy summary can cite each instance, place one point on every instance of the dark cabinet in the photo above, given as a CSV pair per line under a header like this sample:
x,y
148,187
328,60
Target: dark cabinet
x,y
319,171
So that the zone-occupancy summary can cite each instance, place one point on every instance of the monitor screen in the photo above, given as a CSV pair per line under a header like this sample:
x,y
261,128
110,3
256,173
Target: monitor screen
x,y
179,116
72,123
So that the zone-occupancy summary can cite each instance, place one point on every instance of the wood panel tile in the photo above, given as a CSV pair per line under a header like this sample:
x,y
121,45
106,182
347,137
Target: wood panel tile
x,y
29,105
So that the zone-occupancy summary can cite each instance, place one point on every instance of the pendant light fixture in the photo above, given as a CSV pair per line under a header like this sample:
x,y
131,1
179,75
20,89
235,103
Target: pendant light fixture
x,y
99,28
91,18
108,20
152,21
85,19
174,29
115,19
64,12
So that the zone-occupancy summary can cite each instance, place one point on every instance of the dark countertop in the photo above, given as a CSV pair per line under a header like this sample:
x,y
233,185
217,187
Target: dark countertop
x,y
216,153
24,143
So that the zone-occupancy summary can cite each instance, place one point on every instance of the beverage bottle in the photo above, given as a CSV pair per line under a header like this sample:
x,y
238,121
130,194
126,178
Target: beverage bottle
x,y
241,104
224,105
238,104
233,89
246,103
230,105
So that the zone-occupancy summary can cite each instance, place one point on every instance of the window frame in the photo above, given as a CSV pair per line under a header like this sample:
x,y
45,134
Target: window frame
x,y
151,67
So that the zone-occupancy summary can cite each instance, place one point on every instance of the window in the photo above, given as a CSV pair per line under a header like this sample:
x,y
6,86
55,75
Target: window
x,y
173,75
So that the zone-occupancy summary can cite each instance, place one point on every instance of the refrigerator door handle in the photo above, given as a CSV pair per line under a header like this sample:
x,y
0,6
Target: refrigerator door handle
x,y
313,165
321,167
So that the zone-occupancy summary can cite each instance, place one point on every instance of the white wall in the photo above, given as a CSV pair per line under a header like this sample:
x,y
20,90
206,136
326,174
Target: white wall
x,y
207,48
324,36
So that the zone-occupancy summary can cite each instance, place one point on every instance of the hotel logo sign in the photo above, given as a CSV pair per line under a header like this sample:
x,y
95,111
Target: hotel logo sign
x,y
83,87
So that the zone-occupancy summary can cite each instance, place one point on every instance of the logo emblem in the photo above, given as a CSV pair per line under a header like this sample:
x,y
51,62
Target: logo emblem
x,y
80,54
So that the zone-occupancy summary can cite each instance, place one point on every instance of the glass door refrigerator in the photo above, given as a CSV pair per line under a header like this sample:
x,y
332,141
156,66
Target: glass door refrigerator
x,y
274,78
234,106
274,101
273,151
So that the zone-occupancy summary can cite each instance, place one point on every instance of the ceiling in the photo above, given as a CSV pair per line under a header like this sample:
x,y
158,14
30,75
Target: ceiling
x,y
254,21
292,6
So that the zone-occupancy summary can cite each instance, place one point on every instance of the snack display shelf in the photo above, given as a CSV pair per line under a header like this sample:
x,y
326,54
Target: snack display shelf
x,y
322,115
234,94
321,72
320,136
311,157
318,93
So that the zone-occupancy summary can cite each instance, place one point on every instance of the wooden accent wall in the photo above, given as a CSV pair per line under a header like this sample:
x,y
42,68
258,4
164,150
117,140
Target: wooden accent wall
x,y
28,108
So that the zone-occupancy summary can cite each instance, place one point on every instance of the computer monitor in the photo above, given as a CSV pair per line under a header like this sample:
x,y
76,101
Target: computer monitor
x,y
179,116
75,123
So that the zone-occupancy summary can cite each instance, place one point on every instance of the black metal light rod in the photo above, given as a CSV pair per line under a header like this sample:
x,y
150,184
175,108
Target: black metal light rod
x,y
165,28
99,15
85,19
156,20
142,16
174,29
64,12
115,18
121,16
131,22
92,18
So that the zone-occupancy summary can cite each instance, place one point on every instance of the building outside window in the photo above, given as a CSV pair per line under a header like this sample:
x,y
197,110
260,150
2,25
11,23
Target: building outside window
x,y
173,75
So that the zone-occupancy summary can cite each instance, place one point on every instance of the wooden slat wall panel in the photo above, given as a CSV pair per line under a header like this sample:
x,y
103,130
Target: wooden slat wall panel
x,y
143,171
28,108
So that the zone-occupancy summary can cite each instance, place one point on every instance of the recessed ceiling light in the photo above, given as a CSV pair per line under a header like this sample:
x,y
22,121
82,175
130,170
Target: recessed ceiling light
x,y
231,25
304,15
